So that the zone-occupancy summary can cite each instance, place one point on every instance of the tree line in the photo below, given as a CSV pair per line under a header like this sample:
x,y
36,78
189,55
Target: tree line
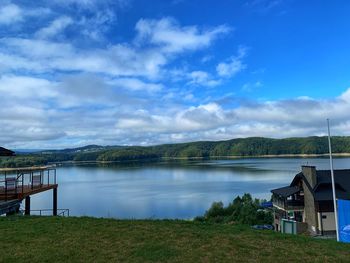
x,y
242,147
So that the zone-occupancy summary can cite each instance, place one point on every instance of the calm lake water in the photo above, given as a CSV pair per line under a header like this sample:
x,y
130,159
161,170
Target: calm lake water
x,y
181,189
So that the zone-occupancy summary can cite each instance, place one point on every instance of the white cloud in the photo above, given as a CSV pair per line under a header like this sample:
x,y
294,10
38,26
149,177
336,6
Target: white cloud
x,y
263,6
94,27
61,90
248,87
118,118
199,118
202,78
82,3
36,49
171,37
206,58
9,62
233,66
37,12
10,13
25,115
61,93
281,118
121,59
56,27
116,60
21,87
78,2
64,93
136,84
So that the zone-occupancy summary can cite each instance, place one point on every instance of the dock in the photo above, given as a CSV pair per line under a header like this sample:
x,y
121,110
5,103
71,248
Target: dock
x,y
18,184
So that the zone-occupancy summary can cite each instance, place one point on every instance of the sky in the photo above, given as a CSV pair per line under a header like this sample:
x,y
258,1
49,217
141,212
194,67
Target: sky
x,y
137,72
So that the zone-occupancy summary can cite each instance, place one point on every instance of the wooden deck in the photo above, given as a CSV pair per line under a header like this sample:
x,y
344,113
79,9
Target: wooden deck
x,y
22,192
20,183
27,169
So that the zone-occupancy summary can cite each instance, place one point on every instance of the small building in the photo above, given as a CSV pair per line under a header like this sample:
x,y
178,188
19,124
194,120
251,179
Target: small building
x,y
6,152
306,205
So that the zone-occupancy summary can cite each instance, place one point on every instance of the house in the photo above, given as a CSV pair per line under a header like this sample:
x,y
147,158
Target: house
x,y
306,205
6,152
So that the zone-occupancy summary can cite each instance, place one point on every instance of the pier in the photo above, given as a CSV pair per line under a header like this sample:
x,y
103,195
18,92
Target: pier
x,y
18,184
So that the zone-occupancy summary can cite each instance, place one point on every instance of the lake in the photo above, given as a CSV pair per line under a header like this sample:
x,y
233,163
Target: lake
x,y
170,189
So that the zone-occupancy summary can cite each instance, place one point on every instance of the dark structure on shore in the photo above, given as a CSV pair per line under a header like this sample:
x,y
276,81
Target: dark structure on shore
x,y
18,184
6,152
306,205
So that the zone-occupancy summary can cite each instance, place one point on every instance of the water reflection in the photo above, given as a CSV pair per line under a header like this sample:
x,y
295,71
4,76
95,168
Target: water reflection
x,y
169,189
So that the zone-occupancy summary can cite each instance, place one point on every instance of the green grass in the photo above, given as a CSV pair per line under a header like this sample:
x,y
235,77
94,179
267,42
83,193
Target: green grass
x,y
56,239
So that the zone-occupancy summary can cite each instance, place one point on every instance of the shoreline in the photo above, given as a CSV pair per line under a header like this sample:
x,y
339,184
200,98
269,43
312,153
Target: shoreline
x,y
209,158
285,155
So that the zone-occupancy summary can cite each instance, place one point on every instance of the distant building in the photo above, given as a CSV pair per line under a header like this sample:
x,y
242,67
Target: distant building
x,y
306,205
6,152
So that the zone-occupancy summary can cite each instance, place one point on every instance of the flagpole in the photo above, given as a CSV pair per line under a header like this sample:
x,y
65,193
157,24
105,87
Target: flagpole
x,y
333,184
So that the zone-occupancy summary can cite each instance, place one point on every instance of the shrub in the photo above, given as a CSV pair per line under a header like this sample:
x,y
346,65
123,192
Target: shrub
x,y
243,210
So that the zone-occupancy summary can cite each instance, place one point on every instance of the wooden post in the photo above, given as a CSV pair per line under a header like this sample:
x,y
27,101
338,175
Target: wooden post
x,y
27,206
55,201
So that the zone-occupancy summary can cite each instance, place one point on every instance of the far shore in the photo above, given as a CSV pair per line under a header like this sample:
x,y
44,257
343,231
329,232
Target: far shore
x,y
286,155
212,157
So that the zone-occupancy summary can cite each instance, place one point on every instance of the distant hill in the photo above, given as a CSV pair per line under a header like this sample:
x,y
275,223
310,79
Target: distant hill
x,y
20,151
241,147
84,149
244,147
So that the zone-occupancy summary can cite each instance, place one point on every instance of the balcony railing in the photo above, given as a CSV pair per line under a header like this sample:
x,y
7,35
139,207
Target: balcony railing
x,y
48,212
16,182
289,204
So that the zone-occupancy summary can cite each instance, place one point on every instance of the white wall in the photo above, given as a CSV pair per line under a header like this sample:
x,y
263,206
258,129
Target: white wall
x,y
328,223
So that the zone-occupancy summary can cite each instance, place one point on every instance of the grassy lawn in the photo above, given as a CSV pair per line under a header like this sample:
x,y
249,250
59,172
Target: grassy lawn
x,y
56,239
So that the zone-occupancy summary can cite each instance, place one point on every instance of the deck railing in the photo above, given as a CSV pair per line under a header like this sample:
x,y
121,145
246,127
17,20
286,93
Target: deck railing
x,y
46,212
288,204
14,181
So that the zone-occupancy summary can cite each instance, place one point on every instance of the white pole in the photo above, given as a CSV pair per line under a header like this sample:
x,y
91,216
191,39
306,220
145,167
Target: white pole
x,y
333,184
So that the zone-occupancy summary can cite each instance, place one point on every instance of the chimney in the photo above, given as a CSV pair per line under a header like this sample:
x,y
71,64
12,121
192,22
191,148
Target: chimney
x,y
310,174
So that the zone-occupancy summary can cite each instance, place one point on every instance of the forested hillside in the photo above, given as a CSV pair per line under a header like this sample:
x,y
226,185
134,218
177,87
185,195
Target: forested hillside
x,y
244,147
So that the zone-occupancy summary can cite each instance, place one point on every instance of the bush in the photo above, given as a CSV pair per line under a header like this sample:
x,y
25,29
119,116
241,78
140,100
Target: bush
x,y
243,210
216,209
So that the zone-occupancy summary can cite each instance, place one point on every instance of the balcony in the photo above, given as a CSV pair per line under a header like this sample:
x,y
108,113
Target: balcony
x,y
287,205
18,183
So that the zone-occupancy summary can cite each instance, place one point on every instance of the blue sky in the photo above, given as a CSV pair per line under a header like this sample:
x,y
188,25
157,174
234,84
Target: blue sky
x,y
128,72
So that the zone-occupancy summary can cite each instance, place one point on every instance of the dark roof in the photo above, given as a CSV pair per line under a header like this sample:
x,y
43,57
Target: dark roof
x,y
6,152
323,189
286,191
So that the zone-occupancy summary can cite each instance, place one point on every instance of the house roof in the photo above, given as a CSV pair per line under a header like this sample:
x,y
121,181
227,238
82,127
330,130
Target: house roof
x,y
6,152
322,191
323,188
286,191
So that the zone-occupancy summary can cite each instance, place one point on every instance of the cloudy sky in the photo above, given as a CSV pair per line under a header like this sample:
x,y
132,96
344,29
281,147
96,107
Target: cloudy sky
x,y
137,72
